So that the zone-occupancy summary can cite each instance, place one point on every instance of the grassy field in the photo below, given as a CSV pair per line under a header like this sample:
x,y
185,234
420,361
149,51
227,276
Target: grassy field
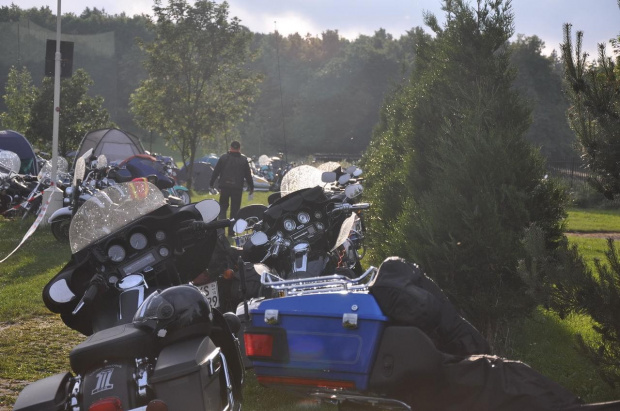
x,y
34,343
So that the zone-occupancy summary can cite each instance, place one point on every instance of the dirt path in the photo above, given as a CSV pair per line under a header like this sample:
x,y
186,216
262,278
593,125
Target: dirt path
x,y
599,234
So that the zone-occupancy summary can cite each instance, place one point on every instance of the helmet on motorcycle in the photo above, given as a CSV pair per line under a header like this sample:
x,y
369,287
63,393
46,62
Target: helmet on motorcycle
x,y
176,313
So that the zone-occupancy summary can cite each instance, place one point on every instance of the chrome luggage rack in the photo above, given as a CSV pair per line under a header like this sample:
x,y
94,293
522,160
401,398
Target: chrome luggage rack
x,y
319,285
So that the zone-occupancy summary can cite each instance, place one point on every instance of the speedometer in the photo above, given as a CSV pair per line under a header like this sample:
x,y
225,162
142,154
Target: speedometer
x,y
138,241
289,224
303,218
116,253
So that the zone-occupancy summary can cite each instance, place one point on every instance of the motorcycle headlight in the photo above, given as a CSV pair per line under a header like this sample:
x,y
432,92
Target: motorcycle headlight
x,y
69,191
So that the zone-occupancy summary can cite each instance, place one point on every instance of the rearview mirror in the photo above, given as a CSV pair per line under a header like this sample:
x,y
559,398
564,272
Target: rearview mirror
x,y
209,209
344,179
240,226
328,177
259,238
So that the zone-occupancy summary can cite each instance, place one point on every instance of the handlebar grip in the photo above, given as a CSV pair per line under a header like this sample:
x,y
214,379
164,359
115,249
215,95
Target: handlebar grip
x,y
90,294
213,225
361,206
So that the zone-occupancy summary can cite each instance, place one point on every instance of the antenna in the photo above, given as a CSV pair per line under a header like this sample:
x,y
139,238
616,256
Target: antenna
x,y
280,81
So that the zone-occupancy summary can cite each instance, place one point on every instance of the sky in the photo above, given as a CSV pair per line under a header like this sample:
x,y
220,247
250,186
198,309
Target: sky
x,y
598,19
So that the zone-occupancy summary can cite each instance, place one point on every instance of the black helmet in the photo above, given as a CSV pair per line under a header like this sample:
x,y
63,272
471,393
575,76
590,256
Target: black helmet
x,y
176,313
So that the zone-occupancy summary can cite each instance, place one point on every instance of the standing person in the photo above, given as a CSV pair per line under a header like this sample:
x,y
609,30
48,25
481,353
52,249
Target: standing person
x,y
232,168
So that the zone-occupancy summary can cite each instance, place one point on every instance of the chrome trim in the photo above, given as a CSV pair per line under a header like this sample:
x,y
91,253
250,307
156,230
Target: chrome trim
x,y
323,284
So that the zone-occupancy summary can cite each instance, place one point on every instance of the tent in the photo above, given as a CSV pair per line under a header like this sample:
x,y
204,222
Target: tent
x,y
115,144
201,175
13,141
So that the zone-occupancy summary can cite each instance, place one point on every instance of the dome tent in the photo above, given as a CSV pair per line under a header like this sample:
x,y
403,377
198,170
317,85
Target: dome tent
x,y
13,141
115,144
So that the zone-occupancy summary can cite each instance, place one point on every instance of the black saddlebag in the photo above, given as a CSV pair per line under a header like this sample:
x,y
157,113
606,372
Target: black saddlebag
x,y
187,375
48,394
408,297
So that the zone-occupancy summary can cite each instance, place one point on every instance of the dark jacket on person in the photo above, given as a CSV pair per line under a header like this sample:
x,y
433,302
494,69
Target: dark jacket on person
x,y
232,168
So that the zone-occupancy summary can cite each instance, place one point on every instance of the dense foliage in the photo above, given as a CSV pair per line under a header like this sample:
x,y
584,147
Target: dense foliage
x,y
321,93
452,180
594,92
79,113
19,97
197,84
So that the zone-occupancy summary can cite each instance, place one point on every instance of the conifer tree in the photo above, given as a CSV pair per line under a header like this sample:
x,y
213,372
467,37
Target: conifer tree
x,y
453,182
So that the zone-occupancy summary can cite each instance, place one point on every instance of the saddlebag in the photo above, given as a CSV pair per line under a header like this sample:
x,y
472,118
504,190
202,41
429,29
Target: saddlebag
x,y
48,394
315,341
408,297
187,376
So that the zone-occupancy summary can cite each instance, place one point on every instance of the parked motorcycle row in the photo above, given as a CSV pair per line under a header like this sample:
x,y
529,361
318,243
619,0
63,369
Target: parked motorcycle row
x,y
21,195
174,313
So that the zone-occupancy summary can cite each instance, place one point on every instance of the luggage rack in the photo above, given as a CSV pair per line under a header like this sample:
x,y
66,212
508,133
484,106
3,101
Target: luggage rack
x,y
318,285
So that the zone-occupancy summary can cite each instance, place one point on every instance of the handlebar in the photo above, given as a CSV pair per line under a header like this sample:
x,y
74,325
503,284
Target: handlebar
x,y
349,207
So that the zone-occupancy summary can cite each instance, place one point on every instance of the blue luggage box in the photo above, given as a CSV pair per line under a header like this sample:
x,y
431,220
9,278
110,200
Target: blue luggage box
x,y
331,338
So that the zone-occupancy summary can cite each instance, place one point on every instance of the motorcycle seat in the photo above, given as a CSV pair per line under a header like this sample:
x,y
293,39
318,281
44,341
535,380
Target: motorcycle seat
x,y
117,343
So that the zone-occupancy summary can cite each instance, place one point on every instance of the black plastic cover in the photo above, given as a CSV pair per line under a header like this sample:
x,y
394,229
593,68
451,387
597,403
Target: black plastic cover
x,y
408,297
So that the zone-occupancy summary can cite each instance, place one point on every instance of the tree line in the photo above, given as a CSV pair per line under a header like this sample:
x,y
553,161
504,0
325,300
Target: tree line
x,y
315,90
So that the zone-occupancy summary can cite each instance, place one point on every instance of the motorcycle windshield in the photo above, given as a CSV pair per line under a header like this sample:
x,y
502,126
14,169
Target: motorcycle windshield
x,y
46,171
299,178
9,162
112,209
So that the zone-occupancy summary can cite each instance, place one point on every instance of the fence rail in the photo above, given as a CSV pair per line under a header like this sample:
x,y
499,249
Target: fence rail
x,y
572,171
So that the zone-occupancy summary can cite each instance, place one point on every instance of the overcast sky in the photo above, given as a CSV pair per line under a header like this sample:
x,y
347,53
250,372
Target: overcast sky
x,y
598,19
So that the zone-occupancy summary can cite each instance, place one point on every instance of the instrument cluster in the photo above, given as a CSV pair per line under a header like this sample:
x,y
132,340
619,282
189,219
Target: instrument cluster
x,y
137,249
304,224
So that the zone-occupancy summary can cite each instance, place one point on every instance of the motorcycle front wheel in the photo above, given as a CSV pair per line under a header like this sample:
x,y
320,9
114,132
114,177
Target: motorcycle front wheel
x,y
60,228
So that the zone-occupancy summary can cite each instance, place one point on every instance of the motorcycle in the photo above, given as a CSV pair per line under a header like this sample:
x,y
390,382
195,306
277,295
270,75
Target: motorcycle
x,y
388,340
154,342
32,203
14,187
144,166
314,228
82,189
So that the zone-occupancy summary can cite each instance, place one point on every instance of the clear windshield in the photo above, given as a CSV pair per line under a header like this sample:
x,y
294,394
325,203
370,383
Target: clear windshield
x,y
111,209
61,169
9,162
299,178
329,166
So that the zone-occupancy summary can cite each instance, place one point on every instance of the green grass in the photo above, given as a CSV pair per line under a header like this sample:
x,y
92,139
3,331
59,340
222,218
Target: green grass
x,y
593,220
35,344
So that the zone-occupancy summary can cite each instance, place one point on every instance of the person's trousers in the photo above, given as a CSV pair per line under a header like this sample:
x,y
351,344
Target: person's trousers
x,y
232,196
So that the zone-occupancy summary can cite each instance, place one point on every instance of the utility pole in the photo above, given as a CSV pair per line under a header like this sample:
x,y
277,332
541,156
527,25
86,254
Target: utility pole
x,y
280,81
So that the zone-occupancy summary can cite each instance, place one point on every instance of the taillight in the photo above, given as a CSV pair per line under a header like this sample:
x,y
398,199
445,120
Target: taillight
x,y
258,345
266,344
106,404
157,405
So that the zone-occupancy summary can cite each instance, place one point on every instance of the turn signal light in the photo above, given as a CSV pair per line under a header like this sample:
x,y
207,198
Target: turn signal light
x,y
258,345
107,404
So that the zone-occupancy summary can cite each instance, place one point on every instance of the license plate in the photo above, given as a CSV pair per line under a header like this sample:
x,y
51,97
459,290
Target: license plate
x,y
210,291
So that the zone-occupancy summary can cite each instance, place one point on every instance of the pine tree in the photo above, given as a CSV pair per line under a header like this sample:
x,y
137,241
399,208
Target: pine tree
x,y
453,182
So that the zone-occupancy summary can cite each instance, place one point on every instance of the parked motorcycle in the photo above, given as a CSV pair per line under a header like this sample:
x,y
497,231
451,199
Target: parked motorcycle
x,y
388,340
154,342
83,187
14,187
32,203
312,230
